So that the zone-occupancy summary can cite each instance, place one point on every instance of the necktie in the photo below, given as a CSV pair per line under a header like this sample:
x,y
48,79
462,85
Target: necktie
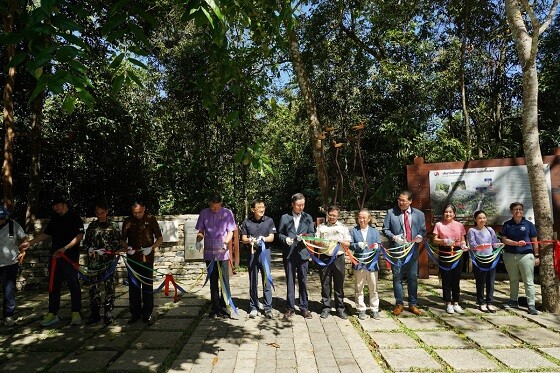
x,y
407,230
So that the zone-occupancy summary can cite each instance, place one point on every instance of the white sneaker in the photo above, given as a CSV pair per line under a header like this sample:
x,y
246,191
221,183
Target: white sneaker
x,y
450,309
253,314
9,321
458,309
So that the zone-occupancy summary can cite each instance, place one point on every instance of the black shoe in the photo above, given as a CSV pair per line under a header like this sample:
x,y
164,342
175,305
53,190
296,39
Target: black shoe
x,y
224,313
148,320
268,314
93,319
326,312
307,314
342,314
133,319
213,315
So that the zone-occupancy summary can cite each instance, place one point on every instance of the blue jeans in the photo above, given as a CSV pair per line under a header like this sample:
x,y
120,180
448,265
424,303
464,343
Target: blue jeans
x,y
8,276
411,271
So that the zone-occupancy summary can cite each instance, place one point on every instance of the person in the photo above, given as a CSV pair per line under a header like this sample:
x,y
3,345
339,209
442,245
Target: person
x,y
521,255
11,235
295,255
255,230
365,238
215,226
66,230
449,234
141,236
332,275
403,224
485,239
101,242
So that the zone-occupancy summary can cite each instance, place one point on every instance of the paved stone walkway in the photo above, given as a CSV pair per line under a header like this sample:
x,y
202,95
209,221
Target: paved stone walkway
x,y
184,339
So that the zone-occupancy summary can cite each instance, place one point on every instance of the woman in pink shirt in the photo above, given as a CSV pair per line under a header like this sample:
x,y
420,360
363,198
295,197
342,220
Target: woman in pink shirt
x,y
449,234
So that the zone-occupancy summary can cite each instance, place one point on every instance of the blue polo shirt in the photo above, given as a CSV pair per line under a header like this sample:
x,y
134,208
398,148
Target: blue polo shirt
x,y
522,231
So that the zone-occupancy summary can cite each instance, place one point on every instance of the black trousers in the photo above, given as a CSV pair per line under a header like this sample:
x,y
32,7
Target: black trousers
x,y
141,295
450,280
65,271
332,278
295,265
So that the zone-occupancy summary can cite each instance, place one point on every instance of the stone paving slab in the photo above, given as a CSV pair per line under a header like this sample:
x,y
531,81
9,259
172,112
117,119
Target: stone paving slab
x,y
491,338
408,359
552,351
31,361
135,360
156,339
384,324
507,320
468,323
442,339
109,340
393,340
468,360
521,358
540,338
84,362
421,323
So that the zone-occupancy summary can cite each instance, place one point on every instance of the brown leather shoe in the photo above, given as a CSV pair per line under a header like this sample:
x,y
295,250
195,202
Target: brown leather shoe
x,y
415,310
398,309
307,314
289,313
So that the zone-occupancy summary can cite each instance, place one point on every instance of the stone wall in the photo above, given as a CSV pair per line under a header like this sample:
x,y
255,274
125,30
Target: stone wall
x,y
175,255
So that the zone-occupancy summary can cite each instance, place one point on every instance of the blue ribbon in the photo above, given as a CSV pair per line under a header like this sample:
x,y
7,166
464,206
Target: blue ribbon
x,y
265,258
492,266
333,257
398,263
435,260
371,265
110,270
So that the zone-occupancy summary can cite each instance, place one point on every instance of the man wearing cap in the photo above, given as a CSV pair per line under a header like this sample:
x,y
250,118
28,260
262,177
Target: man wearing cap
x,y
10,234
66,230
142,237
215,226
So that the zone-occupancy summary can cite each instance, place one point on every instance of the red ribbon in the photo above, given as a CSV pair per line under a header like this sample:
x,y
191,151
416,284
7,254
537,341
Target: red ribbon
x,y
53,269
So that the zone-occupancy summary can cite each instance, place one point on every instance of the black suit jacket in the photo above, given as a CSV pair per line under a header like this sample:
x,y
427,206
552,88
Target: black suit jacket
x,y
287,229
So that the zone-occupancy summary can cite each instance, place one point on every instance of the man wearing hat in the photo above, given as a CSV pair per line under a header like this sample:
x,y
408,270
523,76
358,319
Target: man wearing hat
x,y
10,234
66,230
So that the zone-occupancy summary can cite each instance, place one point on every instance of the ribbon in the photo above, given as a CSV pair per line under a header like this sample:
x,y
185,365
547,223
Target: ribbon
x,y
396,253
367,259
53,268
225,289
436,258
265,259
333,249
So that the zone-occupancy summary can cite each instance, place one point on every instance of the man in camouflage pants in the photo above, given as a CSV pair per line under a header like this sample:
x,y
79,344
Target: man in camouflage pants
x,y
101,235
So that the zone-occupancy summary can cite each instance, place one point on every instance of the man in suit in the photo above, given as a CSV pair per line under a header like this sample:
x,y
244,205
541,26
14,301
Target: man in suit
x,y
403,224
295,254
365,238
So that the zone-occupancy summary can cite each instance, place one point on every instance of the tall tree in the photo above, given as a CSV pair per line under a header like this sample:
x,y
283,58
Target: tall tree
x,y
526,28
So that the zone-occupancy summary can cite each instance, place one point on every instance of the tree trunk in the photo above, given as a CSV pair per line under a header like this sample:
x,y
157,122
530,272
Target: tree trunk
x,y
314,126
526,46
8,116
35,168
